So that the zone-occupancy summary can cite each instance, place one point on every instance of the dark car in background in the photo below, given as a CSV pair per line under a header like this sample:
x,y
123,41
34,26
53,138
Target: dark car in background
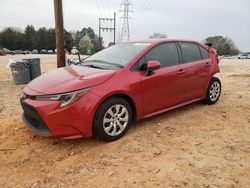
x,y
2,52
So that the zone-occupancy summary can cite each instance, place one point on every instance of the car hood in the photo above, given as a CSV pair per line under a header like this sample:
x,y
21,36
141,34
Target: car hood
x,y
68,79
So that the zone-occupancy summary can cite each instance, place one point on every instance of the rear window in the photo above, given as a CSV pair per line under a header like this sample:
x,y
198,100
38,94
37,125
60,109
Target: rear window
x,y
190,52
204,53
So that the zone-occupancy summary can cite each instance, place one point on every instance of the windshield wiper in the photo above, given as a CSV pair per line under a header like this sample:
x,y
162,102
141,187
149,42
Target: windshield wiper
x,y
115,64
103,62
93,66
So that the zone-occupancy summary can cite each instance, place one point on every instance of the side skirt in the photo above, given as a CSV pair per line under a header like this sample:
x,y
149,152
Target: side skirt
x,y
171,108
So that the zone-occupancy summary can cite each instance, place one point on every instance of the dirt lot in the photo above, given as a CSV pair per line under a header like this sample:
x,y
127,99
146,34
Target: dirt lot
x,y
194,146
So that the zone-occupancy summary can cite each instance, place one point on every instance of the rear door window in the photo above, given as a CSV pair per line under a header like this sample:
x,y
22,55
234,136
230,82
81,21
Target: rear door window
x,y
190,52
166,54
204,53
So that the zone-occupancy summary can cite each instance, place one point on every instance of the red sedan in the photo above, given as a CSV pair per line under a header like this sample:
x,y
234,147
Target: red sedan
x,y
127,82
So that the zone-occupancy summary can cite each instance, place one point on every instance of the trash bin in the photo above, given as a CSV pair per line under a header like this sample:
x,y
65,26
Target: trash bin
x,y
20,72
35,69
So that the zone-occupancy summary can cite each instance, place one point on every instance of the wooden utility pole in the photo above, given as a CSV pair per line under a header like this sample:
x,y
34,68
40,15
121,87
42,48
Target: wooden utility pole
x,y
114,25
59,33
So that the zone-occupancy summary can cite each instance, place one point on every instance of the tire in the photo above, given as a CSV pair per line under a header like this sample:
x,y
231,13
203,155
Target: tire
x,y
213,91
112,119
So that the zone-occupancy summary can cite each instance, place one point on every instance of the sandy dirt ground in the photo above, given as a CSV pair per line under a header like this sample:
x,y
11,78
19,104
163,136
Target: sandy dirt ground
x,y
194,146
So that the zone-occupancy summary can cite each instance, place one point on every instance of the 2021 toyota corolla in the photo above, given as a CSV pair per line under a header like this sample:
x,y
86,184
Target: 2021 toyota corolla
x,y
130,81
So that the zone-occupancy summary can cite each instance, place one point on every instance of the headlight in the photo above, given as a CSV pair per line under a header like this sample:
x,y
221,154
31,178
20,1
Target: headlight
x,y
65,98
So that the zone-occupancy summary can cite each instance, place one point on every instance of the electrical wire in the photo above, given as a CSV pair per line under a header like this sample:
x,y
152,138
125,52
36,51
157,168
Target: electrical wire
x,y
144,7
99,8
103,8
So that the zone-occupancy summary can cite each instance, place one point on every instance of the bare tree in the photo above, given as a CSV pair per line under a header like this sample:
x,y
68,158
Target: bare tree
x,y
158,35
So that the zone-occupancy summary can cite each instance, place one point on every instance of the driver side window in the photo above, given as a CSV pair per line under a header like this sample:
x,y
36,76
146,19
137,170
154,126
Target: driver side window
x,y
166,54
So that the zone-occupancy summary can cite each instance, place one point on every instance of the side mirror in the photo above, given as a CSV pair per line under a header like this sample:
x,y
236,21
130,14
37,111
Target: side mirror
x,y
151,66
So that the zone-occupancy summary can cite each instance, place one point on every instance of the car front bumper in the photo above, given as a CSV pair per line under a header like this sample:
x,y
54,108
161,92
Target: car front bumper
x,y
46,118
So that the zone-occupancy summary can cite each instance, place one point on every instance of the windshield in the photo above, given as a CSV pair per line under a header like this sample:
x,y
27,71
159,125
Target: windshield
x,y
115,56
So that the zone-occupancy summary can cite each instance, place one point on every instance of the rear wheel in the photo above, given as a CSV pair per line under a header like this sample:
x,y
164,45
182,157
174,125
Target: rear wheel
x,y
213,91
113,119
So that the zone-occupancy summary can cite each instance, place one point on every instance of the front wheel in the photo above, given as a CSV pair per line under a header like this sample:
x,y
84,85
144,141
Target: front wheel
x,y
213,91
113,119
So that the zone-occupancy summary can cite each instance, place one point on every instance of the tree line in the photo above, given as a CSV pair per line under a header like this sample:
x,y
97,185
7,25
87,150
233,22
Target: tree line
x,y
84,40
43,38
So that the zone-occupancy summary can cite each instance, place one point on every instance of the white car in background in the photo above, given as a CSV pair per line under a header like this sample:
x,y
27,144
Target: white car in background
x,y
225,57
244,55
34,52
50,52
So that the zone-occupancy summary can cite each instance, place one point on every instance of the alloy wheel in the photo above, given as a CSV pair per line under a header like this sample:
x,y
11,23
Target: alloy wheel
x,y
115,120
214,91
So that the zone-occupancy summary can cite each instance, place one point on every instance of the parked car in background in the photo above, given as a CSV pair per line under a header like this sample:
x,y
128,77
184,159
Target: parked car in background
x,y
225,57
43,51
19,52
111,44
34,52
50,52
2,52
126,82
248,54
245,55
27,52
234,57
8,52
66,52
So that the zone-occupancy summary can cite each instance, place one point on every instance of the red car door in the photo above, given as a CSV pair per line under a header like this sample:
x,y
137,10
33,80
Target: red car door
x,y
164,87
196,70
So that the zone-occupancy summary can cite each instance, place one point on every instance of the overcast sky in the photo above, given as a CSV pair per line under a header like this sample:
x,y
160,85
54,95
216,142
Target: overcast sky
x,y
186,19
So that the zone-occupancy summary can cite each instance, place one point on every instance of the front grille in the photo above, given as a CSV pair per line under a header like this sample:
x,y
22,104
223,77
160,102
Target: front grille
x,y
33,118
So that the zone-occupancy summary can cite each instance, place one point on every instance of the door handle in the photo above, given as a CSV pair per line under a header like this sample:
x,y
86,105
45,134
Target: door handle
x,y
181,71
207,64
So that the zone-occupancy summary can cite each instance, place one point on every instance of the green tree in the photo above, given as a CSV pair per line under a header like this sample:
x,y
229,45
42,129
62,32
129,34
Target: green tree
x,y
51,39
76,37
12,39
85,44
96,43
88,31
223,45
85,31
69,42
30,37
45,39
42,39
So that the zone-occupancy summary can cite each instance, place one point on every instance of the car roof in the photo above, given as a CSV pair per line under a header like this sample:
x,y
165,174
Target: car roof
x,y
156,41
159,40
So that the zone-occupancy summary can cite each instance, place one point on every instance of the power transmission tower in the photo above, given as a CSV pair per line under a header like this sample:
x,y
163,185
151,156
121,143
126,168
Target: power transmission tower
x,y
125,36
